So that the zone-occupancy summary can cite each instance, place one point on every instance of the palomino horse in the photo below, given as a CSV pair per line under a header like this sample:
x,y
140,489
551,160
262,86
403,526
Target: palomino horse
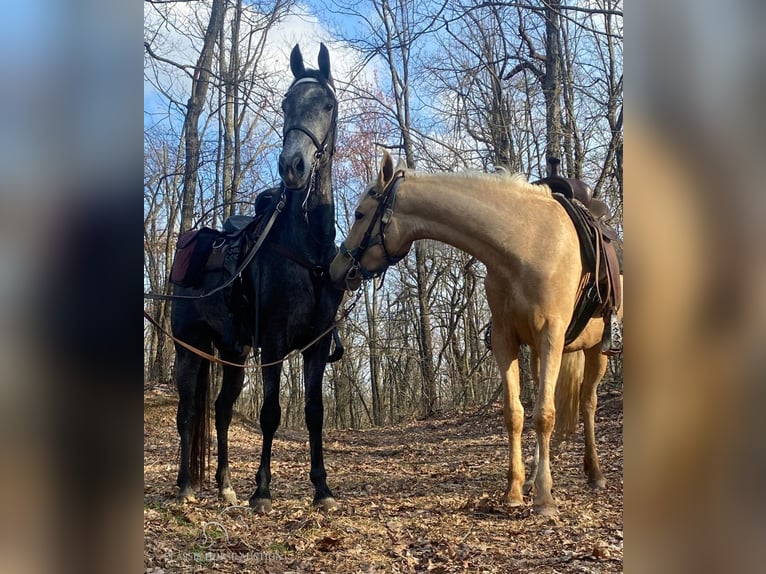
x,y
532,255
290,302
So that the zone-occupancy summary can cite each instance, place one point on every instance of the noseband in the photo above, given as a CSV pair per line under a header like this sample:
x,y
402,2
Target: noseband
x,y
383,213
327,143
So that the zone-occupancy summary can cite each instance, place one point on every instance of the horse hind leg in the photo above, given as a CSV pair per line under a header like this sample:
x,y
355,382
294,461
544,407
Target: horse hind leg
x,y
233,380
534,366
529,484
595,367
314,361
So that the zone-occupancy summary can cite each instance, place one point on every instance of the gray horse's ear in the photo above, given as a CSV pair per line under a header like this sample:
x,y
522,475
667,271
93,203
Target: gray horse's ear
x,y
386,173
296,62
324,61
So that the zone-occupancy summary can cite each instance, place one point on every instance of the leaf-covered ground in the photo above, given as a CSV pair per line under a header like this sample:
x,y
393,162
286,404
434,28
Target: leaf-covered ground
x,y
421,497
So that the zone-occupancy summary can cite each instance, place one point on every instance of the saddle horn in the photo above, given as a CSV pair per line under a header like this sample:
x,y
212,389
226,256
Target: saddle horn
x,y
553,163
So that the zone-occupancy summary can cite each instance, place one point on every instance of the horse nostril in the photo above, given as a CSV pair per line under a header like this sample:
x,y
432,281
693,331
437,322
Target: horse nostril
x,y
282,165
300,167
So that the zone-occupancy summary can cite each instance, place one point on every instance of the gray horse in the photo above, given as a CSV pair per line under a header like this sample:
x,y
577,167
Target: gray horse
x,y
282,302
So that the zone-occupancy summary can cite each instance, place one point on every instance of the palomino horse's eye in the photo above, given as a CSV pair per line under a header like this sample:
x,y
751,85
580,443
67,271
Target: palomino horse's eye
x,y
358,216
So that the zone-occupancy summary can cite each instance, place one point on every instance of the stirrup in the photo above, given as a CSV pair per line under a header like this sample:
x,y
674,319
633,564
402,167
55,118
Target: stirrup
x,y
611,341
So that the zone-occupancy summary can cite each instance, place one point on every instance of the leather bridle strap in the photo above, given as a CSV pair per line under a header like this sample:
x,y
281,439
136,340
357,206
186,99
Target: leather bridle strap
x,y
383,213
321,147
214,359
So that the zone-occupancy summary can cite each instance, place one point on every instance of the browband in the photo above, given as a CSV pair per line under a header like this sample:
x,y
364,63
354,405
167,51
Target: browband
x,y
312,80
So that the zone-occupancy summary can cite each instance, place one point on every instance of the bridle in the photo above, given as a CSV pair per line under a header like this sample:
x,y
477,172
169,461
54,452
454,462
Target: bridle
x,y
383,213
327,144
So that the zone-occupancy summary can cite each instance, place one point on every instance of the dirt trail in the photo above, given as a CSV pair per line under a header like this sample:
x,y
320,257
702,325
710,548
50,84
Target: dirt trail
x,y
422,497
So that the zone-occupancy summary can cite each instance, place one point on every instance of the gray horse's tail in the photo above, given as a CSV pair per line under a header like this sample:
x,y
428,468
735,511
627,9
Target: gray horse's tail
x,y
200,436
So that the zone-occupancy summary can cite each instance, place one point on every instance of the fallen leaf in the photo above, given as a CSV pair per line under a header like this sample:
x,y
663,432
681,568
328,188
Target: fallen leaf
x,y
328,544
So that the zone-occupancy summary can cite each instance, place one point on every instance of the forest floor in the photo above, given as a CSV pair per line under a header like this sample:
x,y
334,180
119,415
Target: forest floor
x,y
421,497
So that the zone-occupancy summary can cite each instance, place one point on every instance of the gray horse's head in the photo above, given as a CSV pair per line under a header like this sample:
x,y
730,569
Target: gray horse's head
x,y
310,112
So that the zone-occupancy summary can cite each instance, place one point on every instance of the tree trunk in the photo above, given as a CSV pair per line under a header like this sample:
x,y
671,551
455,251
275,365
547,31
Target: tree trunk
x,y
194,106
371,306
551,83
230,147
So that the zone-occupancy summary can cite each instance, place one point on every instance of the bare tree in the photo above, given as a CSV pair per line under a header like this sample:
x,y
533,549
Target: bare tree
x,y
194,106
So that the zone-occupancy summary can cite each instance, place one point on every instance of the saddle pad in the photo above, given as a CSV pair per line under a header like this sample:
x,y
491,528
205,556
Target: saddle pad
x,y
192,249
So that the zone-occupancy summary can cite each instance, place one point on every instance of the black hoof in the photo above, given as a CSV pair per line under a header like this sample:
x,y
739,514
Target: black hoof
x,y
185,494
261,505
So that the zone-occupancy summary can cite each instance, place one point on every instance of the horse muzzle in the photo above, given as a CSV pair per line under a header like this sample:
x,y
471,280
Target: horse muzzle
x,y
344,273
293,170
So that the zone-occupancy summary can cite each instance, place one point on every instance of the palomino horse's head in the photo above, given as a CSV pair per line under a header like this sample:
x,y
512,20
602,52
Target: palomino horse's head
x,y
310,108
375,240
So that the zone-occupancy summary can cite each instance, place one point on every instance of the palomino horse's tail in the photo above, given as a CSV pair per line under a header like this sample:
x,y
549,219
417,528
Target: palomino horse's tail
x,y
568,395
200,435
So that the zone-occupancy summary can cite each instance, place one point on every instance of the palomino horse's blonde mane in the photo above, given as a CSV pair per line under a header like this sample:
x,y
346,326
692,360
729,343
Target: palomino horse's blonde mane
x,y
504,177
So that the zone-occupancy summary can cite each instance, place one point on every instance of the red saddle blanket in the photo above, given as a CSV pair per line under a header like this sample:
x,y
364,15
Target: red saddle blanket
x,y
192,250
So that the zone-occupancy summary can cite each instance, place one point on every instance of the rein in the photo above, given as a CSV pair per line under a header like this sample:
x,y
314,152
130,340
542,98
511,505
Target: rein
x,y
214,359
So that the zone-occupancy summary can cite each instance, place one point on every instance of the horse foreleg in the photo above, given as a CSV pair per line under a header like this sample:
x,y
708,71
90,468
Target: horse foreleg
x,y
543,419
233,379
314,360
595,367
506,351
271,416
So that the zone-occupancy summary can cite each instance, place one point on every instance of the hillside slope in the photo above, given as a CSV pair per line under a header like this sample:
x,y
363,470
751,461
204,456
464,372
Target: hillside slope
x,y
423,497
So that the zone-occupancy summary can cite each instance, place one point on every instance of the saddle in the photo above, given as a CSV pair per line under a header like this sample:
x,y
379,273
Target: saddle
x,y
206,249
600,290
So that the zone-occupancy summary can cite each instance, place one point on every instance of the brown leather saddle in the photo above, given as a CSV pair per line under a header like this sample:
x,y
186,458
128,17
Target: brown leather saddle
x,y
600,291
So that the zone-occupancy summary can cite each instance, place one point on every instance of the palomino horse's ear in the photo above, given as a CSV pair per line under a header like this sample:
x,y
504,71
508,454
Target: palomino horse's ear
x,y
324,61
296,62
401,165
386,173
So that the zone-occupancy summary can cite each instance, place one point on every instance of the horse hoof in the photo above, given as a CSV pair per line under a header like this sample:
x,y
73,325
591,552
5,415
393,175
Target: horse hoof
x,y
261,505
527,488
546,509
326,504
186,494
597,483
228,496
514,500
